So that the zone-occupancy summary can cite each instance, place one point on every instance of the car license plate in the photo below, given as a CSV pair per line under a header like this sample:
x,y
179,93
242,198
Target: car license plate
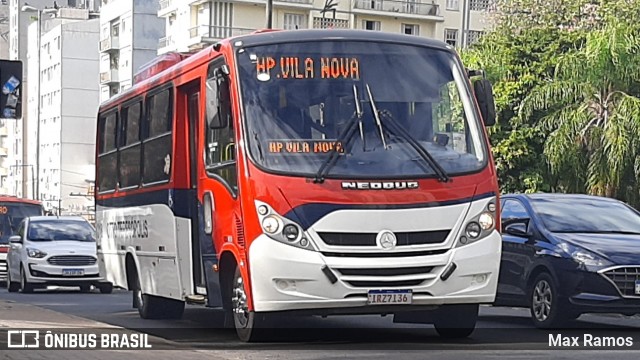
x,y
72,272
637,287
390,297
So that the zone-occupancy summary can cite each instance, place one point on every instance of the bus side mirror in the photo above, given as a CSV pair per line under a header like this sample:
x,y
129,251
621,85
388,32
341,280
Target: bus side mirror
x,y
484,96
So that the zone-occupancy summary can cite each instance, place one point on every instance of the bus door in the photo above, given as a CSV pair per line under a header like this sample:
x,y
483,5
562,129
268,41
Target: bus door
x,y
191,97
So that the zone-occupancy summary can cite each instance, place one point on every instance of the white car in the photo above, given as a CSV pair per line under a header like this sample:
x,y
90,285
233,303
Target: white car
x,y
49,250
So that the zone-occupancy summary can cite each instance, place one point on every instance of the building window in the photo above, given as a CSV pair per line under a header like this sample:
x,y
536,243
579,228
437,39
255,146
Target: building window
x,y
479,5
451,36
411,29
294,21
473,36
453,5
157,144
371,25
129,153
328,23
115,30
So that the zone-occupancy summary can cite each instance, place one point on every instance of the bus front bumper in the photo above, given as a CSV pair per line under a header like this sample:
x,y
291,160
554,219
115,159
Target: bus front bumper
x,y
284,277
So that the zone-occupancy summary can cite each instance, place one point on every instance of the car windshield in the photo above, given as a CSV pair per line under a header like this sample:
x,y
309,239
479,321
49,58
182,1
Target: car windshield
x,y
298,98
60,230
12,214
586,215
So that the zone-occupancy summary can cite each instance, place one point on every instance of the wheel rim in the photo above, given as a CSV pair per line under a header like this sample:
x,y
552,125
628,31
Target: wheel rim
x,y
542,300
139,296
239,303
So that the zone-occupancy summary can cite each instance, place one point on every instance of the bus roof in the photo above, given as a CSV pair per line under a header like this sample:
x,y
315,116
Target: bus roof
x,y
266,37
15,199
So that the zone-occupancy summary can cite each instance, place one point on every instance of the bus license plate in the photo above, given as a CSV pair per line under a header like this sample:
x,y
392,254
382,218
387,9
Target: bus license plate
x,y
390,297
72,272
637,287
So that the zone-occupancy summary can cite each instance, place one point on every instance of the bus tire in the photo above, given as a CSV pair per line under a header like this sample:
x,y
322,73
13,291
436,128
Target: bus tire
x,y
248,323
456,321
156,307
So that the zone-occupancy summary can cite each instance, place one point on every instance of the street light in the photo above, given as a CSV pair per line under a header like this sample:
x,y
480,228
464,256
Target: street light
x,y
29,8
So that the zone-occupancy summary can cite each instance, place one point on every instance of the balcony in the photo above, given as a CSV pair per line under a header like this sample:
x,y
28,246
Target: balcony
x,y
4,131
109,77
305,4
4,152
166,44
397,8
202,35
167,7
111,43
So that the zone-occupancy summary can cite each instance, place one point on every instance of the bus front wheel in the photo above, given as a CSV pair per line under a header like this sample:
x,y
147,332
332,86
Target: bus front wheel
x,y
248,324
456,321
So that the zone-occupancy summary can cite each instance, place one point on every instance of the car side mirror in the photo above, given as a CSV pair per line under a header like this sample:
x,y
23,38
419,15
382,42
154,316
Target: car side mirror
x,y
517,229
15,239
484,96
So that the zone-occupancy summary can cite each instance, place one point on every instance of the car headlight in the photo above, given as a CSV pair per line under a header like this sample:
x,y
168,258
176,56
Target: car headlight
x,y
584,258
282,229
480,225
35,253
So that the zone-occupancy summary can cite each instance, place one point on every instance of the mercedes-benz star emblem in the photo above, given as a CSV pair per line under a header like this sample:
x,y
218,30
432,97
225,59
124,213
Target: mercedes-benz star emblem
x,y
386,240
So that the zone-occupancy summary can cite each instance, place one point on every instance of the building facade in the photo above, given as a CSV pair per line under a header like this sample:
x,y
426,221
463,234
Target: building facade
x,y
191,24
129,34
66,108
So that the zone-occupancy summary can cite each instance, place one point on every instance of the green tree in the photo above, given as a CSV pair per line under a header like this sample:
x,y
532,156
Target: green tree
x,y
593,115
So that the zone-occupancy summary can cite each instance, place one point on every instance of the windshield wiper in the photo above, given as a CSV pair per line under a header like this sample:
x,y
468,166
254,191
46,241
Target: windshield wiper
x,y
399,130
600,232
344,138
376,115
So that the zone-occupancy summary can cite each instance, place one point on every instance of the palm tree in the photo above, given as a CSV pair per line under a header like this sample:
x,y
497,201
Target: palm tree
x,y
592,114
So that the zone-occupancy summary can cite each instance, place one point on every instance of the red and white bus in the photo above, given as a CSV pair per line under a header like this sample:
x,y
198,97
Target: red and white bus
x,y
12,211
310,171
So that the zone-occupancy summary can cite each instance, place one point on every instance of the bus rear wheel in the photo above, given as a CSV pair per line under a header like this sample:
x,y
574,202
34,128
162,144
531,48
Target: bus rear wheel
x,y
156,307
248,324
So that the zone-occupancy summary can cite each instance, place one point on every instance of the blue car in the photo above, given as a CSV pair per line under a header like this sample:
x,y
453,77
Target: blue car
x,y
566,255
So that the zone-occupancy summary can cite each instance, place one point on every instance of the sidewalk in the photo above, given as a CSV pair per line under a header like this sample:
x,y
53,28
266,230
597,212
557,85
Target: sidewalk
x,y
16,316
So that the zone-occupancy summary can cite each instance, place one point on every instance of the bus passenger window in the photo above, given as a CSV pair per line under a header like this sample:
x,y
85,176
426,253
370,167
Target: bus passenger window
x,y
157,144
220,152
129,155
107,152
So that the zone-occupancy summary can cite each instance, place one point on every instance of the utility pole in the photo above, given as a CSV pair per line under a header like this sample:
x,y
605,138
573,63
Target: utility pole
x,y
269,14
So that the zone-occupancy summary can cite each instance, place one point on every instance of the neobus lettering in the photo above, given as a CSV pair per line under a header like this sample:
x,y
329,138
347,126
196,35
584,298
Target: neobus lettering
x,y
387,185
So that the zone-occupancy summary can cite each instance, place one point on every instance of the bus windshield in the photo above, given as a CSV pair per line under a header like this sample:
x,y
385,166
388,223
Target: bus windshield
x,y
12,214
298,98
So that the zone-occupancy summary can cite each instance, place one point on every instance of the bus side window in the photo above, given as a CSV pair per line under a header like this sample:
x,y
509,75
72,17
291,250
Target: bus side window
x,y
220,154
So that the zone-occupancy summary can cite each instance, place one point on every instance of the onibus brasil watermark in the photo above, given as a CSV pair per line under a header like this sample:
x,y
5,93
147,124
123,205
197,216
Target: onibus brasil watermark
x,y
36,339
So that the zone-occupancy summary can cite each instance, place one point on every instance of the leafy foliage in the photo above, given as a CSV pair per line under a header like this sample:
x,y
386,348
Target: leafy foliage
x,y
566,77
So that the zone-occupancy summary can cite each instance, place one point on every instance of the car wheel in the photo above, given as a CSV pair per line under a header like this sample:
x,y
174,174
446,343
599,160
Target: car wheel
x,y
548,309
456,321
12,286
25,287
248,324
85,288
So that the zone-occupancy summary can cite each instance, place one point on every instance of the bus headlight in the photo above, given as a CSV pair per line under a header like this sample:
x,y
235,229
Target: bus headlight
x,y
479,226
271,224
281,229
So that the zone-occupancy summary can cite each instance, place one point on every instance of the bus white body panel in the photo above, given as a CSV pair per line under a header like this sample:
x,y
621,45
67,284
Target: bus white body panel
x,y
276,287
150,234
